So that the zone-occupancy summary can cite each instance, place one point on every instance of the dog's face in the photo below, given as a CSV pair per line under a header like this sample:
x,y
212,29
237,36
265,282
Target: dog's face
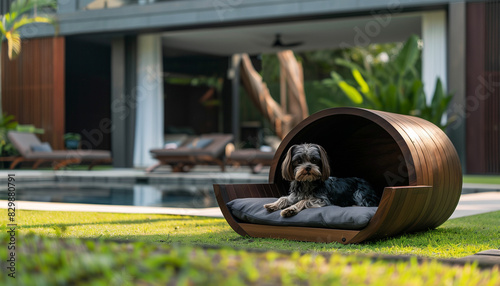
x,y
306,162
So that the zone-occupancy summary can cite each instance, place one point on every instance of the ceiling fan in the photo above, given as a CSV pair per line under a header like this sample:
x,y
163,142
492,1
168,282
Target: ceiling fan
x,y
279,44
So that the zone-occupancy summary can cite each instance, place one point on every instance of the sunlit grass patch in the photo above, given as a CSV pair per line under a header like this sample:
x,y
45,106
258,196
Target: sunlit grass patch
x,y
56,261
455,238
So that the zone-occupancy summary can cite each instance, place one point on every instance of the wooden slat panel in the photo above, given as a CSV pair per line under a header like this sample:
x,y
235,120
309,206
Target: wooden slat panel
x,y
227,193
299,233
447,165
438,167
222,194
393,215
33,87
433,171
483,94
492,70
58,87
475,65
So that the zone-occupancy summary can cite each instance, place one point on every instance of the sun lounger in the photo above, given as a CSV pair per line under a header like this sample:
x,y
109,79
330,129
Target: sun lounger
x,y
203,149
32,150
254,158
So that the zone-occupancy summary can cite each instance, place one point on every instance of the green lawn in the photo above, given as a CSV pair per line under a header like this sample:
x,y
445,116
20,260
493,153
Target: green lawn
x,y
455,238
79,248
481,179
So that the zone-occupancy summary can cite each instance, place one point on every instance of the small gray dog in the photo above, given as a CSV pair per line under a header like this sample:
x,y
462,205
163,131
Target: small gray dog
x,y
308,169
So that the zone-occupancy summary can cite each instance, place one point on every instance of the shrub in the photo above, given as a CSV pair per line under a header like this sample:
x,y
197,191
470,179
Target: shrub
x,y
394,85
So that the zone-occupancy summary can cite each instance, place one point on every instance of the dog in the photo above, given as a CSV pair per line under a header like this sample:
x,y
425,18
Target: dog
x,y
307,167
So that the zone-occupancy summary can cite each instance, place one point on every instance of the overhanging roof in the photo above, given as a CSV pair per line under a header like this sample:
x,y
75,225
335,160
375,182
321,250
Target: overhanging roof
x,y
315,34
197,14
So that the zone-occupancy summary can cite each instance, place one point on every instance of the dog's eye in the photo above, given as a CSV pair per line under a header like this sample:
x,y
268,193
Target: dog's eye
x,y
298,161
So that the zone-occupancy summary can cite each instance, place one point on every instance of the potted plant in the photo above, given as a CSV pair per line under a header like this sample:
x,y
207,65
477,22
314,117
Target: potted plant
x,y
72,140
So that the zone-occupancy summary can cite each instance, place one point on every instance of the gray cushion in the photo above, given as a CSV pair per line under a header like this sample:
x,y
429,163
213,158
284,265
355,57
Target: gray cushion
x,y
252,210
200,144
43,147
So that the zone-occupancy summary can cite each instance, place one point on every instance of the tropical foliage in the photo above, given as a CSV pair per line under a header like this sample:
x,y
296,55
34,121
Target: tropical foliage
x,y
393,85
85,248
7,123
19,16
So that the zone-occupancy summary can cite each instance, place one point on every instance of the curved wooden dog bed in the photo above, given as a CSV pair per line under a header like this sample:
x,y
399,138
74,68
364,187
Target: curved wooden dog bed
x,y
409,160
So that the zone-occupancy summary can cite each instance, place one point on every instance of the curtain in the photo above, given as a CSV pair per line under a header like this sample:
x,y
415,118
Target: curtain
x,y
149,101
434,56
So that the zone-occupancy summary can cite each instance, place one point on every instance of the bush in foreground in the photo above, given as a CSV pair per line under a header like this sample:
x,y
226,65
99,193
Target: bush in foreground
x,y
56,261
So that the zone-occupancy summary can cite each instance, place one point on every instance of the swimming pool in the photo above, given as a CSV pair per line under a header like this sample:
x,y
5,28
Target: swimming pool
x,y
158,195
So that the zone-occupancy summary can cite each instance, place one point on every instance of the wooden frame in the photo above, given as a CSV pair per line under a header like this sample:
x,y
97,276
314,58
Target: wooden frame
x,y
409,160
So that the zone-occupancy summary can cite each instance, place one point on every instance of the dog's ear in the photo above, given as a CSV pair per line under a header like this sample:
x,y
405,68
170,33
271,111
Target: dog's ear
x,y
286,165
325,164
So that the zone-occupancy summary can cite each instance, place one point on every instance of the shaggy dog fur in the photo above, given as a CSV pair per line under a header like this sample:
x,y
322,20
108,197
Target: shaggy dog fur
x,y
308,169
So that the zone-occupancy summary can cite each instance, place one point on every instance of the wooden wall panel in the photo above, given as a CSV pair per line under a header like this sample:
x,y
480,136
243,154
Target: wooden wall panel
x,y
33,87
483,88
475,38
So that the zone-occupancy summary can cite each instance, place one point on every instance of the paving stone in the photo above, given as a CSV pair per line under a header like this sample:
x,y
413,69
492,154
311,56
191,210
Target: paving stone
x,y
487,258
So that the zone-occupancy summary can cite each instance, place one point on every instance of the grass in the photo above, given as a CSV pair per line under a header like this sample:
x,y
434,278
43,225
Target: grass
x,y
481,179
82,248
95,262
455,238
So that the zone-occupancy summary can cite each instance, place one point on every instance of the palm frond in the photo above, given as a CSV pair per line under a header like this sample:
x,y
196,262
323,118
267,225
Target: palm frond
x,y
21,6
10,18
25,21
2,30
13,44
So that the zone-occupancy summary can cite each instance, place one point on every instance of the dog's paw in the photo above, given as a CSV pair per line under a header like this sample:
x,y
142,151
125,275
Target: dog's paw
x,y
271,207
288,212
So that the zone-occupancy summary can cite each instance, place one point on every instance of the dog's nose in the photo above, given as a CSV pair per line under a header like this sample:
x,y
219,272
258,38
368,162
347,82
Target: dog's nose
x,y
308,168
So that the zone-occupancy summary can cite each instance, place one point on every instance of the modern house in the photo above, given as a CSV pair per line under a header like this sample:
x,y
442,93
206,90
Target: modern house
x,y
102,74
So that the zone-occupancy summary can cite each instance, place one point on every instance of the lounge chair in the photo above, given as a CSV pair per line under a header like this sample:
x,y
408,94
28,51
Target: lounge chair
x,y
410,161
254,158
203,149
32,150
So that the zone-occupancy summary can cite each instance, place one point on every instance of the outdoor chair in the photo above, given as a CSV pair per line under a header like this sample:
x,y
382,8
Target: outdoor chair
x,y
184,155
254,158
32,150
408,160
